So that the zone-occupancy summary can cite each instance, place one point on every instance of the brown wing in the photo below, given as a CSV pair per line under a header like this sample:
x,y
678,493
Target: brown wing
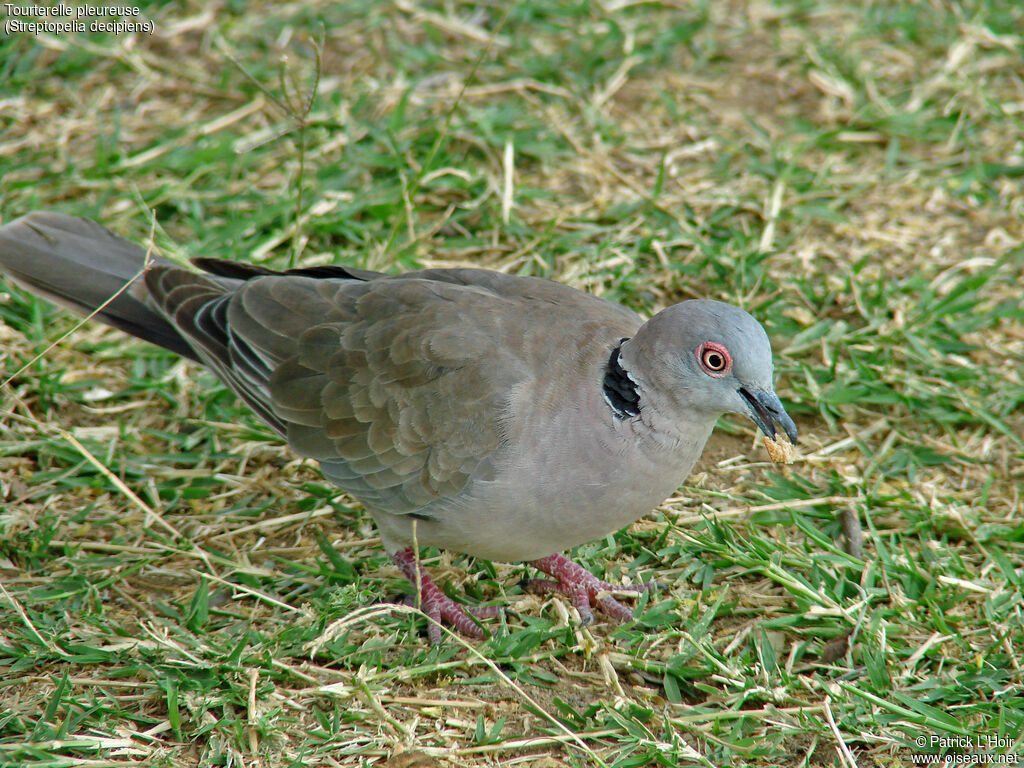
x,y
398,386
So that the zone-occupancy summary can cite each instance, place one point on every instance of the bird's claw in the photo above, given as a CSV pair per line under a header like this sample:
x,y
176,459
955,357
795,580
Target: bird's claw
x,y
438,607
584,589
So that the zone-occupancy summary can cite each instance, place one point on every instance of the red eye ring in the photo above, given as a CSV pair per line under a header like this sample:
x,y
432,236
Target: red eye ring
x,y
714,359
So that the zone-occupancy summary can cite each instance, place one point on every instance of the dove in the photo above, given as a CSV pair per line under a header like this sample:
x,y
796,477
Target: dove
x,y
509,418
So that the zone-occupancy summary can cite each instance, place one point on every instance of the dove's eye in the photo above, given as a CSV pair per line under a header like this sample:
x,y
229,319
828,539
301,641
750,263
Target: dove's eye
x,y
714,358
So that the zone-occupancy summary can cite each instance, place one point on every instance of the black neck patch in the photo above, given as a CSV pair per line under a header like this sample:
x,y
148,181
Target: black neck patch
x,y
619,389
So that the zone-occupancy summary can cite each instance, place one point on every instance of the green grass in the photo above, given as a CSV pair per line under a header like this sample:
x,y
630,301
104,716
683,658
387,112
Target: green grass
x,y
850,173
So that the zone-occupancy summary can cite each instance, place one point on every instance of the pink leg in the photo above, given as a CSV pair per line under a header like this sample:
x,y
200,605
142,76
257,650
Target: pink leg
x,y
436,604
582,587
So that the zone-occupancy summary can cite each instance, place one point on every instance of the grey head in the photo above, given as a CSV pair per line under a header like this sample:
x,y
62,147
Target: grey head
x,y
705,358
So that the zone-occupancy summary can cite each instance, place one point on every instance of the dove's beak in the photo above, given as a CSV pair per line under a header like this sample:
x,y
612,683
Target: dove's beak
x,y
765,410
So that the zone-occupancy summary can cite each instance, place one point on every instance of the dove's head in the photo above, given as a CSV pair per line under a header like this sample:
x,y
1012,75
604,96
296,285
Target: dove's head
x,y
706,357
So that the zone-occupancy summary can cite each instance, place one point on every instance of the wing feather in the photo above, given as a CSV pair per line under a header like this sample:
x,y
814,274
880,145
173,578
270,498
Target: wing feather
x,y
399,386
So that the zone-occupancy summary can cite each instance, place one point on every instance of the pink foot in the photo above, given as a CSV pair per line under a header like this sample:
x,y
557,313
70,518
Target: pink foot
x,y
440,608
582,587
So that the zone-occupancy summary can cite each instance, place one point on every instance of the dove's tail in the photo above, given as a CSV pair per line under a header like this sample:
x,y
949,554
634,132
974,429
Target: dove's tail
x,y
86,268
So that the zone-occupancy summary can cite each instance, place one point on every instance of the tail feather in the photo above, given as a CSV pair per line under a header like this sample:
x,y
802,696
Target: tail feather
x,y
80,265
